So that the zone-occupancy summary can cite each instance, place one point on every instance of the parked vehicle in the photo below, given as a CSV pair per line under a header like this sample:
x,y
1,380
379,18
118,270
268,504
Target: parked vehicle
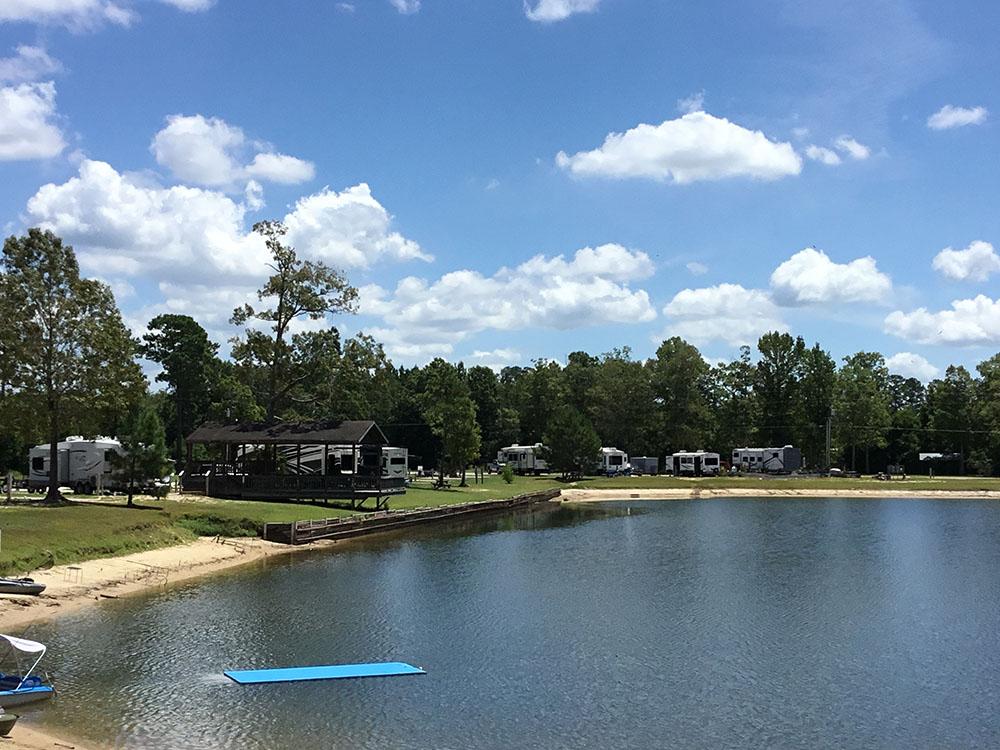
x,y
613,462
696,463
648,465
85,465
769,460
332,459
523,459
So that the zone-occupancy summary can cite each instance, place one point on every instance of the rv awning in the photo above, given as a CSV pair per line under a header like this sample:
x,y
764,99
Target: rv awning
x,y
22,644
290,433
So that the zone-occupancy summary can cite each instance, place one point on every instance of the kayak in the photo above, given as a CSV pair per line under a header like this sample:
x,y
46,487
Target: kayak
x,y
20,586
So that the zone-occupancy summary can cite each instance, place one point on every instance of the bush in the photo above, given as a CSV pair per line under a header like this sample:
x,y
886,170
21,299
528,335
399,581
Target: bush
x,y
508,474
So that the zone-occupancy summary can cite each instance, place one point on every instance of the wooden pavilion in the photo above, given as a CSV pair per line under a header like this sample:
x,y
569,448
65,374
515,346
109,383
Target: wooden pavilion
x,y
330,460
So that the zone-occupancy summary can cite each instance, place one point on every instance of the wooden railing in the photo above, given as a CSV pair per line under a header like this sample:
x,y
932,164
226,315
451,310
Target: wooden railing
x,y
220,480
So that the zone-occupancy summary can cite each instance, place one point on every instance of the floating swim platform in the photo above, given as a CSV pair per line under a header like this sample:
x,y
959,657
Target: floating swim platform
x,y
331,672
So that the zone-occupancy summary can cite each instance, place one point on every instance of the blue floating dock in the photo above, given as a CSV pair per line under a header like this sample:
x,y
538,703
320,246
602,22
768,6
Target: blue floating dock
x,y
332,672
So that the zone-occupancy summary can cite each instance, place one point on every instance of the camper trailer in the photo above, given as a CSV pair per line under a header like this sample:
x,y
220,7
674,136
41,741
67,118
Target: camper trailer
x,y
696,464
324,460
648,465
613,462
523,459
85,465
395,462
768,460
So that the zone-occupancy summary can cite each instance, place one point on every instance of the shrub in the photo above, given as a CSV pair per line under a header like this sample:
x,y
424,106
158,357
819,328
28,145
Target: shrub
x,y
508,474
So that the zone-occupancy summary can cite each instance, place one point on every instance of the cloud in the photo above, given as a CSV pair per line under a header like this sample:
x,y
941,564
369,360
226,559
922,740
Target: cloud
x,y
497,359
694,147
852,148
84,15
911,365
211,152
406,7
28,64
346,7
592,287
27,130
956,117
693,103
810,277
977,262
823,155
726,312
696,269
547,11
968,322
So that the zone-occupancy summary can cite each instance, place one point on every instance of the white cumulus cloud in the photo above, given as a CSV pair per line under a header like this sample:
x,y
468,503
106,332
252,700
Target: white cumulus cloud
x,y
956,117
406,7
696,269
697,146
726,312
977,262
427,318
810,277
28,64
911,365
967,322
209,151
847,145
84,15
27,127
547,11
823,155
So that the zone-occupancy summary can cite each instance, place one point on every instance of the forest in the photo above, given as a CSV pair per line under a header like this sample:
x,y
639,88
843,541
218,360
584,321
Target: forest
x,y
70,365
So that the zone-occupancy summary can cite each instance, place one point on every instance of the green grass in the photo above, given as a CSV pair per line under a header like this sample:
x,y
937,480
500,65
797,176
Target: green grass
x,y
34,535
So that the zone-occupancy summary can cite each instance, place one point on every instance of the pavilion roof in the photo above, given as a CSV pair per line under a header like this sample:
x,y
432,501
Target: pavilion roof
x,y
334,432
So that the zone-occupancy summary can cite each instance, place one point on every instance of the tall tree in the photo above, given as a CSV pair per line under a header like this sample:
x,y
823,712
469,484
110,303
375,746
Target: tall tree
x,y
579,376
72,346
451,414
679,381
988,409
182,348
862,404
951,409
541,392
572,446
735,404
906,406
777,378
297,289
814,403
484,389
621,402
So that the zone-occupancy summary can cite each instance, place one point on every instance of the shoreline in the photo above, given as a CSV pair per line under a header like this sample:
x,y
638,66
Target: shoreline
x,y
70,588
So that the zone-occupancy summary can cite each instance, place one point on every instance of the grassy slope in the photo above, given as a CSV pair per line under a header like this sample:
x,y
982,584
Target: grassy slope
x,y
34,535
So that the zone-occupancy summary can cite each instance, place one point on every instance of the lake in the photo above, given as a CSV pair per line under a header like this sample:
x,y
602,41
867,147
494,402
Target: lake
x,y
724,623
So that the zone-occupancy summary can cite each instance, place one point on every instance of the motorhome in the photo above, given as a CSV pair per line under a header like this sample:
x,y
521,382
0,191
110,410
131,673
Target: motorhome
x,y
649,465
84,465
769,460
523,459
696,463
613,462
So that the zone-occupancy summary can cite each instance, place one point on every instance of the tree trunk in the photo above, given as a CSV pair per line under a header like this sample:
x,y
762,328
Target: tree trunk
x,y
463,483
180,426
53,495
131,480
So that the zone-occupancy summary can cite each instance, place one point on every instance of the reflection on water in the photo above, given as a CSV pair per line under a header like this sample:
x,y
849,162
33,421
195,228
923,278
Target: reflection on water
x,y
724,623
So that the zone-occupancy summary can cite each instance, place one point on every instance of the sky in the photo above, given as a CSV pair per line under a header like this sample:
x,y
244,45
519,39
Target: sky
x,y
506,180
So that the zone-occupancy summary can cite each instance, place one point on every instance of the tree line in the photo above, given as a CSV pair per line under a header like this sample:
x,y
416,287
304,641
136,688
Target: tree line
x,y
69,365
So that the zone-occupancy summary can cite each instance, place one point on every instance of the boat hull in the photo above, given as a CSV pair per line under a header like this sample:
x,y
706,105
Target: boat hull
x,y
20,586
20,697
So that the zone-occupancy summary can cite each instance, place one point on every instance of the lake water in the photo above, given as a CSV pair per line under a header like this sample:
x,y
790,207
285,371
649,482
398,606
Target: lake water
x,y
689,624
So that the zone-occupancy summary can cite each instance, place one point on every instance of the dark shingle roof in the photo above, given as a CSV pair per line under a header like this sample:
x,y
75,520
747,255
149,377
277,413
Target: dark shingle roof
x,y
290,433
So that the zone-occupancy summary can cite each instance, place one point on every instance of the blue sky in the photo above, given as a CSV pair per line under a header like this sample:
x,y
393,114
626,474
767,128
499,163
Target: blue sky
x,y
460,161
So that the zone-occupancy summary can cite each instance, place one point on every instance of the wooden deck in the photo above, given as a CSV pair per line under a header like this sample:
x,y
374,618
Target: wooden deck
x,y
219,480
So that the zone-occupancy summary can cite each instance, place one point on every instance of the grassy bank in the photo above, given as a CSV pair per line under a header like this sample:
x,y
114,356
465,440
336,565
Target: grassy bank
x,y
33,536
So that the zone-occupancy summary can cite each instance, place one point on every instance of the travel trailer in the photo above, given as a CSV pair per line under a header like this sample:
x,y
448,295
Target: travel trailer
x,y
523,459
613,462
333,459
84,465
696,463
770,460
395,462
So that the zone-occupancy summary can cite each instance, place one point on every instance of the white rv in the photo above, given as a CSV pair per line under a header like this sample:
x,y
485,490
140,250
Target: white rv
x,y
613,462
523,459
774,460
343,459
395,463
85,465
696,463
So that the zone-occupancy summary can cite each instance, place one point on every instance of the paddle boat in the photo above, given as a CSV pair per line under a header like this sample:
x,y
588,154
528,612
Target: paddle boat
x,y
21,586
21,686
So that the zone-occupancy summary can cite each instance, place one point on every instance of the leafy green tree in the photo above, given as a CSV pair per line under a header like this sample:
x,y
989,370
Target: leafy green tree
x,y
72,347
297,289
734,402
621,402
182,348
906,406
579,376
814,403
145,448
777,379
679,380
571,443
862,404
988,409
451,414
951,409
541,391
484,388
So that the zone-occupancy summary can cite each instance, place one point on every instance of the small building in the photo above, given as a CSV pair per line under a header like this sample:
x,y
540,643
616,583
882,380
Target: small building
x,y
523,459
613,462
768,460
328,460
695,463
649,465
